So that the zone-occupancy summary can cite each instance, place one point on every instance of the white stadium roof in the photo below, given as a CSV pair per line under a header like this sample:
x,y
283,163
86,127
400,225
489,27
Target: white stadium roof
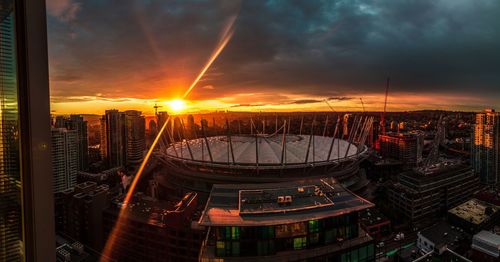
x,y
269,149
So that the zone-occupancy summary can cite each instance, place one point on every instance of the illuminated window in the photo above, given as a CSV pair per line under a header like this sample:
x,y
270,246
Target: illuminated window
x,y
299,243
313,226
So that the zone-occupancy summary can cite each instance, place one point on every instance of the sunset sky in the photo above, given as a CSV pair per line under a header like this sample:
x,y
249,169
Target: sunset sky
x,y
283,55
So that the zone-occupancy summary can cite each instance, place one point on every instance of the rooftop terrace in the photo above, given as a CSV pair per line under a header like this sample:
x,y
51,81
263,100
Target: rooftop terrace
x,y
281,203
474,211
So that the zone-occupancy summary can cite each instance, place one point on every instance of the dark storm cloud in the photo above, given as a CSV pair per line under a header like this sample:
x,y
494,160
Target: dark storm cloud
x,y
323,48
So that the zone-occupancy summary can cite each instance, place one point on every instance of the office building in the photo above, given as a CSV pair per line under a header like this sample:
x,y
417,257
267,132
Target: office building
x,y
26,200
313,220
113,138
64,158
154,230
486,146
135,136
423,194
404,147
81,216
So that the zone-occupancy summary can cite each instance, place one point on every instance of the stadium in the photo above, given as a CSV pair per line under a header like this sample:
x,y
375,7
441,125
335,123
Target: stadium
x,y
197,164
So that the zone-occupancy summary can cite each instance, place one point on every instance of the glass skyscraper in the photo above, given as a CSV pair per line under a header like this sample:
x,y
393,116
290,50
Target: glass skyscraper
x,y
11,237
26,202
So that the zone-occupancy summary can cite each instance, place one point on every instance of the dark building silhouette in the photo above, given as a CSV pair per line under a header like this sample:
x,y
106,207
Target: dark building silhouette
x,y
81,213
113,138
26,200
155,230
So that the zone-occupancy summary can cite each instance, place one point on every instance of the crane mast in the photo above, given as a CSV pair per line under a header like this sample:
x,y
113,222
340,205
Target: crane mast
x,y
382,117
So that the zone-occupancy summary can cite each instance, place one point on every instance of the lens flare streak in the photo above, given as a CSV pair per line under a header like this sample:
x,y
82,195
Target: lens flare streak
x,y
108,248
226,36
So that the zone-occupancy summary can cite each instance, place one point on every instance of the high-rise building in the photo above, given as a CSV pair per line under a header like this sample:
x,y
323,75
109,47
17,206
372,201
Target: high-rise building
x,y
80,125
486,147
162,117
136,136
113,138
26,200
406,147
296,221
76,122
64,158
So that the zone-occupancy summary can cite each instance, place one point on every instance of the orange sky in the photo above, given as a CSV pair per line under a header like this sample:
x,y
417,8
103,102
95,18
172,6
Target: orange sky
x,y
265,102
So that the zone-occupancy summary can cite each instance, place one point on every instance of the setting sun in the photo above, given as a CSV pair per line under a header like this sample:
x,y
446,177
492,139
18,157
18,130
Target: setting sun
x,y
177,105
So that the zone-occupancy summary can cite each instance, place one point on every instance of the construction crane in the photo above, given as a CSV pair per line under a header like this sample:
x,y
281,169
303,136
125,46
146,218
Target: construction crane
x,y
382,117
326,101
433,156
156,108
362,104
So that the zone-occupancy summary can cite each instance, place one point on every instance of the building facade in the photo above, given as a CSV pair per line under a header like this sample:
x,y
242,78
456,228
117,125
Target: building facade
x,y
135,125
81,216
77,123
486,146
154,230
405,147
113,138
422,196
297,221
26,200
64,158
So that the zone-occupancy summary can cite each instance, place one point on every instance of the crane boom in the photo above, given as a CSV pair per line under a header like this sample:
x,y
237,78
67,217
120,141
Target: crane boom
x,y
331,108
382,117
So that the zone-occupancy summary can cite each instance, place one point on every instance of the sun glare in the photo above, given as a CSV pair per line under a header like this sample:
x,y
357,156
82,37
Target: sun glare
x,y
177,105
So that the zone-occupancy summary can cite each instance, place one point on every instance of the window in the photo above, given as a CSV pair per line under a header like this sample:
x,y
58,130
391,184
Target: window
x,y
220,249
235,249
235,233
266,232
329,237
299,243
314,238
363,253
313,226
265,247
290,230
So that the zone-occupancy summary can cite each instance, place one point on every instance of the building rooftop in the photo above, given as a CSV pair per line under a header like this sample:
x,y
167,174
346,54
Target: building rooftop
x,y
442,234
372,216
474,211
263,150
405,135
278,203
151,211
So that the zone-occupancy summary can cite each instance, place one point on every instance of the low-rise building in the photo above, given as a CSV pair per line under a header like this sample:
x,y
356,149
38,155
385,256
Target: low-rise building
x,y
440,238
486,246
474,215
375,223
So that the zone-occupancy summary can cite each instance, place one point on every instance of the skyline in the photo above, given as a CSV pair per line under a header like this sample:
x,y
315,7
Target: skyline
x,y
286,56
